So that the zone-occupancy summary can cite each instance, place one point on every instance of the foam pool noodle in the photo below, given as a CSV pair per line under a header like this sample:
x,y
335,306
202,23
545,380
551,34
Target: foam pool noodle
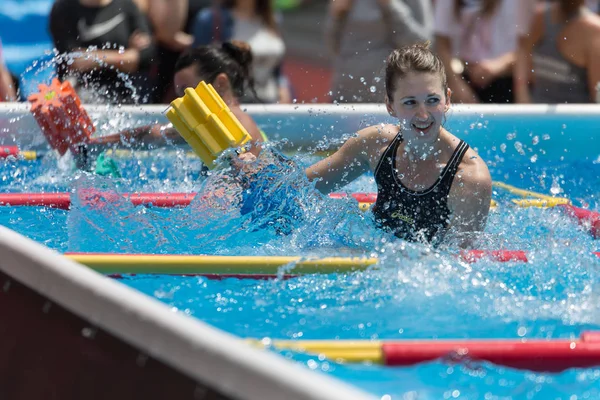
x,y
206,123
58,112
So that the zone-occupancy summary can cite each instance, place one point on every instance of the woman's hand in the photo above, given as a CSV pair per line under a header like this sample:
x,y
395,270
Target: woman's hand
x,y
245,163
139,40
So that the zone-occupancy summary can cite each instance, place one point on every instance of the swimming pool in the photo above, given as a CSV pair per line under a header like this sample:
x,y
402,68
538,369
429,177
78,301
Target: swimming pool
x,y
417,292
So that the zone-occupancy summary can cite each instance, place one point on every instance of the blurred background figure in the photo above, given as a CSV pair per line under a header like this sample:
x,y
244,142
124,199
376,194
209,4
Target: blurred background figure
x,y
477,41
254,22
112,37
559,58
172,23
8,91
362,33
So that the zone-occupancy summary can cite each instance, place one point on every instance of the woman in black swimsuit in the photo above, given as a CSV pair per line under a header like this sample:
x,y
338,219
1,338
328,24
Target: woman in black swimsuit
x,y
429,182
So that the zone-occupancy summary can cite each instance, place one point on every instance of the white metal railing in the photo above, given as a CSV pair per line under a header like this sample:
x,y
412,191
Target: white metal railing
x,y
304,125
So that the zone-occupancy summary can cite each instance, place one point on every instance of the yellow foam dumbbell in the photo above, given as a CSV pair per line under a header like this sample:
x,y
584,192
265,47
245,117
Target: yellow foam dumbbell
x,y
206,123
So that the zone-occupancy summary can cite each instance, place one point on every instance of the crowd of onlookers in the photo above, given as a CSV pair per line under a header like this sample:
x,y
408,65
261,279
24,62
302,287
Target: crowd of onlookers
x,y
494,51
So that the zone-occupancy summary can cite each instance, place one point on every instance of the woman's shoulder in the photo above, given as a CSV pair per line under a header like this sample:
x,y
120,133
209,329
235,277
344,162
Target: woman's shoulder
x,y
379,133
474,168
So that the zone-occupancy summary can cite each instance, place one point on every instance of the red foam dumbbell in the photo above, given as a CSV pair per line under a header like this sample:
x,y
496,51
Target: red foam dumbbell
x,y
60,115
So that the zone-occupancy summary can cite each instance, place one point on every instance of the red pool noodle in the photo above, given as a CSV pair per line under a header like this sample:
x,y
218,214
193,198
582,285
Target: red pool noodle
x,y
496,255
9,151
535,355
585,217
53,200
62,200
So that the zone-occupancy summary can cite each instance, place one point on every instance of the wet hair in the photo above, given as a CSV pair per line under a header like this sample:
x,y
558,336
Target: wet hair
x,y
234,59
414,58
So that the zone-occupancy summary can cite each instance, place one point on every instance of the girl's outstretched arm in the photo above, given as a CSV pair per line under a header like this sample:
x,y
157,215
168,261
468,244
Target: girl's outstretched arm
x,y
348,163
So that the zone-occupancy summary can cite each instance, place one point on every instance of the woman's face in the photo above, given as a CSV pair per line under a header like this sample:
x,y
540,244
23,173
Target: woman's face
x,y
185,78
419,103
188,77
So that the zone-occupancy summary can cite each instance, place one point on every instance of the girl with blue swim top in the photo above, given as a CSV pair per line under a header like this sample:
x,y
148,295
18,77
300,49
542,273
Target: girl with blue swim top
x,y
429,182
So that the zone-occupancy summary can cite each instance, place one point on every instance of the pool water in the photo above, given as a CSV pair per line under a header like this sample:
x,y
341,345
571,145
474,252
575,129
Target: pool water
x,y
417,292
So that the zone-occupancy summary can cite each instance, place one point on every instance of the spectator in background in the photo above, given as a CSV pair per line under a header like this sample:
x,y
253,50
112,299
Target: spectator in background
x,y
477,41
560,56
7,88
254,22
362,33
173,21
143,5
111,37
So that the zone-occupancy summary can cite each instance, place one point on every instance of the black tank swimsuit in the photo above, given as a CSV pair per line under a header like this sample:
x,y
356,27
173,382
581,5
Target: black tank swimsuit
x,y
417,216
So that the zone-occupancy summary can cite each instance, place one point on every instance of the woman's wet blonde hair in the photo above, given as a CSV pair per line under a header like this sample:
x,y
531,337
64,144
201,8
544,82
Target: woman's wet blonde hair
x,y
414,58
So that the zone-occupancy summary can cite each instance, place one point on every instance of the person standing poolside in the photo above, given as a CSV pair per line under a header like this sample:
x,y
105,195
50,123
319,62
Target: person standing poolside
x,y
254,22
429,182
172,23
477,41
104,39
362,33
560,55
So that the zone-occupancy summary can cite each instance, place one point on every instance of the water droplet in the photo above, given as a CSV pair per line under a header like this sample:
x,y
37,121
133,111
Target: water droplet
x,y
373,89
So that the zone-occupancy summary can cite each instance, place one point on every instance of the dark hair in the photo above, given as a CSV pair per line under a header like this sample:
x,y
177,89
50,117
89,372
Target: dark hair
x,y
569,7
234,59
413,58
264,8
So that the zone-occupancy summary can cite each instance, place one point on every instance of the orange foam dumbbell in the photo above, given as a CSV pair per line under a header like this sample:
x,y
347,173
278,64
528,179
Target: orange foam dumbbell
x,y
58,111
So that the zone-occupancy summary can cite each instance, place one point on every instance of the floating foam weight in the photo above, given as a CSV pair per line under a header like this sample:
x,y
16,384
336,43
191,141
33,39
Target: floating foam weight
x,y
58,112
248,267
541,203
206,123
528,193
207,264
539,355
350,351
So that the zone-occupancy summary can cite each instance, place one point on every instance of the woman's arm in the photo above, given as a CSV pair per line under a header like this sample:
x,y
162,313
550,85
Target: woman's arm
x,y
469,201
168,19
486,71
522,74
142,137
461,91
353,159
253,129
338,15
